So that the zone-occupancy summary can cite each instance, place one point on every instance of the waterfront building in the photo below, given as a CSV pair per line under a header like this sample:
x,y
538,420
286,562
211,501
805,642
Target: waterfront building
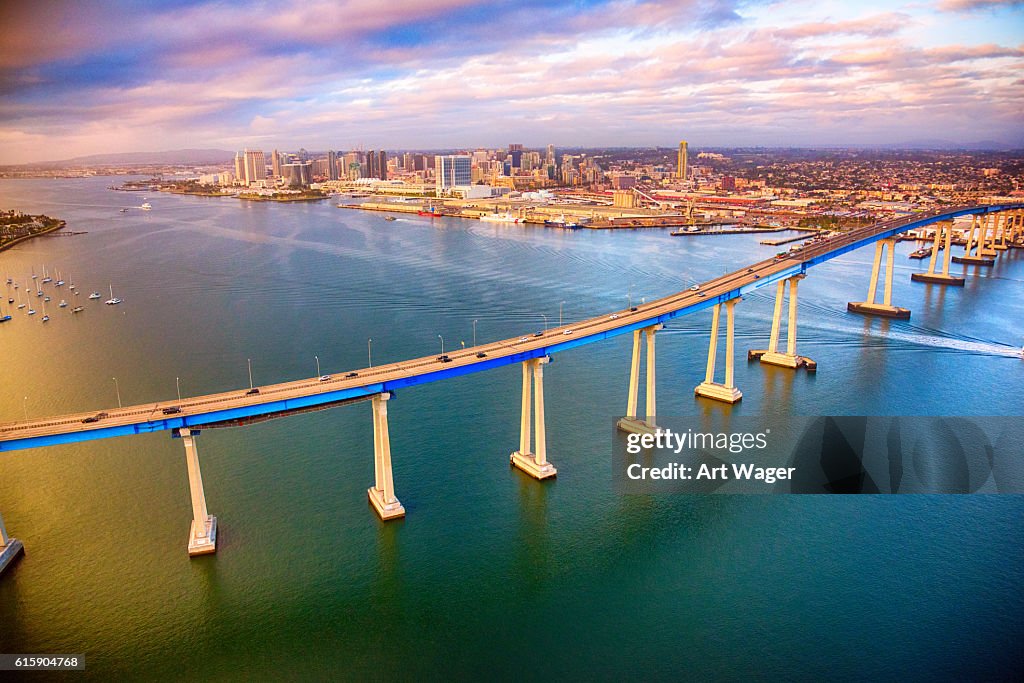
x,y
275,162
255,166
382,164
451,171
332,165
239,166
681,161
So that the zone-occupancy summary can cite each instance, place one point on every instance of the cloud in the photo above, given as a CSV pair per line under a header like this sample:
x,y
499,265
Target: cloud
x,y
974,5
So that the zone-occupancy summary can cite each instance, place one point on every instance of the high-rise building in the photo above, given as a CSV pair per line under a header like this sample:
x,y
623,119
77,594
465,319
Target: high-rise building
x,y
370,168
515,153
452,170
255,166
550,158
239,166
382,165
298,174
681,161
332,165
275,163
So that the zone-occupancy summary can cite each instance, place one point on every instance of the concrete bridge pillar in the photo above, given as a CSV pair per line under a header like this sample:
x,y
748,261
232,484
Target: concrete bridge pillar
x,y
631,422
1002,220
771,355
534,463
709,388
944,229
202,537
10,548
975,237
885,309
382,495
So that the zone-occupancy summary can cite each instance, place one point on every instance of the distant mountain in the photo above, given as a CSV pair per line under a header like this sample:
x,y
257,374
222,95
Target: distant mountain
x,y
169,157
979,146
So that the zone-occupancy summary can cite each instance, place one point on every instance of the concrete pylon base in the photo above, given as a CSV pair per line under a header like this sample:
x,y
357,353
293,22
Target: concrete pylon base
x,y
10,551
975,260
718,392
938,279
864,308
385,510
782,360
527,463
635,425
1000,247
203,545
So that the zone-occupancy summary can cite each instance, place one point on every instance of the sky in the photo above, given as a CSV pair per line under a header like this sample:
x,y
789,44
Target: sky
x,y
104,76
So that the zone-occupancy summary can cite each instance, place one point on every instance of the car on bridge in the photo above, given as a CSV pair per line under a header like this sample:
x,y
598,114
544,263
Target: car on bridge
x,y
324,378
95,418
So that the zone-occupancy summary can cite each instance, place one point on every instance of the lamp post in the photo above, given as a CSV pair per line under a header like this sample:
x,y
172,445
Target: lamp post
x,y
177,383
250,372
118,390
317,365
474,332
369,351
442,344
545,323
24,405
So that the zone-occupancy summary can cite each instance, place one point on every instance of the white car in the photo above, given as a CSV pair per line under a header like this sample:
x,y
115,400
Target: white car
x,y
324,378
613,316
522,339
694,288
567,332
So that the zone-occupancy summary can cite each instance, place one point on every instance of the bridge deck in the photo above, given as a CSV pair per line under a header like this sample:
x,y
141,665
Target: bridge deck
x,y
238,405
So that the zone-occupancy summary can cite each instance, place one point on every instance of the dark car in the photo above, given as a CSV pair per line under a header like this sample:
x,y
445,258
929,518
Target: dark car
x,y
95,418
481,355
352,374
252,391
172,410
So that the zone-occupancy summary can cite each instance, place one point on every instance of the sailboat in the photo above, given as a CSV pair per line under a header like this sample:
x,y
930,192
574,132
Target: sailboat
x,y
94,295
46,278
113,300
63,303
77,309
59,282
45,317
21,304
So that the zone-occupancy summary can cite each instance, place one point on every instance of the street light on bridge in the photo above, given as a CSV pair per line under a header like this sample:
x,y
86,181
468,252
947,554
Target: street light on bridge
x,y
442,344
250,372
474,332
545,323
177,384
317,365
369,351
118,390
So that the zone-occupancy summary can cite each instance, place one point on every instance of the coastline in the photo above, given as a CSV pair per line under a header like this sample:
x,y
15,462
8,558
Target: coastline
x,y
24,238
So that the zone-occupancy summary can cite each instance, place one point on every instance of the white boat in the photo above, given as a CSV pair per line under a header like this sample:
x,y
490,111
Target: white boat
x,y
59,282
94,295
146,206
77,309
63,304
31,311
113,300
45,317
506,217
21,304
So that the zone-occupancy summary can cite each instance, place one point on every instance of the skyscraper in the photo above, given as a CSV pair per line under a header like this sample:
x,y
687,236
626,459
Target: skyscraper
x,y
255,166
382,165
332,165
550,158
239,167
452,170
275,162
681,162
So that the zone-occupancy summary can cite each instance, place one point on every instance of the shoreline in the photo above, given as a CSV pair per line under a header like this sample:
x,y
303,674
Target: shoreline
x,y
24,238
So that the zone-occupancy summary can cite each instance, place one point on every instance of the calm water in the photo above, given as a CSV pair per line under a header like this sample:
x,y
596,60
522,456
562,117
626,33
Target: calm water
x,y
491,571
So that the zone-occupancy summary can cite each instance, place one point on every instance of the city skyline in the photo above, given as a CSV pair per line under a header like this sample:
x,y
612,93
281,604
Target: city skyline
x,y
118,77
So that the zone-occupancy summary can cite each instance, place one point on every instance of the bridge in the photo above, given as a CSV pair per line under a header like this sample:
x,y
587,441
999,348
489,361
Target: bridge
x,y
993,229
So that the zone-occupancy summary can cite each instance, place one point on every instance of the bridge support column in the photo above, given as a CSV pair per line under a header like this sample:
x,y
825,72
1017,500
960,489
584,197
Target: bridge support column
x,y
10,548
986,245
976,259
943,229
631,422
202,537
382,495
709,388
534,463
771,355
885,309
999,234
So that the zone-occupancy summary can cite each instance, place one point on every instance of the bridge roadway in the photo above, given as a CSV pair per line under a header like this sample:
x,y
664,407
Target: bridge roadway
x,y
308,394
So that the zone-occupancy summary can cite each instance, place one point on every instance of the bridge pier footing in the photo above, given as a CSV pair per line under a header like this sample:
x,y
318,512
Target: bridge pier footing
x,y
943,242
534,463
10,548
382,494
884,309
709,388
631,422
771,355
202,535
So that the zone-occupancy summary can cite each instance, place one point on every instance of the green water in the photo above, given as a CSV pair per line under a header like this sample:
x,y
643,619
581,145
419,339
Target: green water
x,y
491,574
